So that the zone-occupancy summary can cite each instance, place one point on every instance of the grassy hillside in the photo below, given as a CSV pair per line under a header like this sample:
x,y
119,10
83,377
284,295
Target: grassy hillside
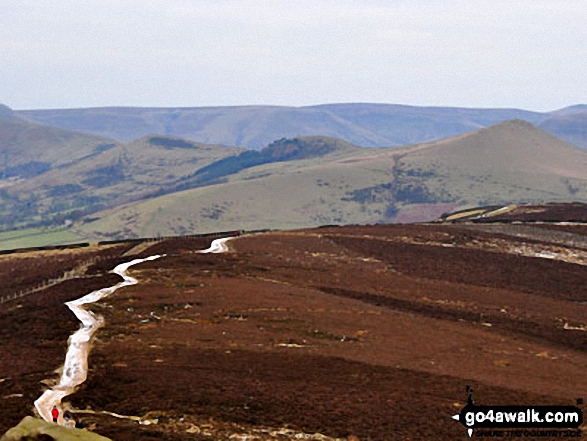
x,y
159,185
279,195
512,161
509,162
124,173
28,148
369,125
148,167
282,150
268,194
38,237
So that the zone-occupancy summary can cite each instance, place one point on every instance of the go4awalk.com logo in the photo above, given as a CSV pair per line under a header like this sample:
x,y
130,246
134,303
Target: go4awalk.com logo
x,y
526,421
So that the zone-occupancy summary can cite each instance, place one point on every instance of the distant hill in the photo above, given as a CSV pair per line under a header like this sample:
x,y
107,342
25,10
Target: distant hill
x,y
579,108
509,162
368,125
28,148
282,150
7,113
402,125
146,167
511,146
569,126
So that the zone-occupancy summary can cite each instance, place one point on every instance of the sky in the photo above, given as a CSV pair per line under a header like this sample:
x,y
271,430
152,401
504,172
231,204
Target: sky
x,y
528,54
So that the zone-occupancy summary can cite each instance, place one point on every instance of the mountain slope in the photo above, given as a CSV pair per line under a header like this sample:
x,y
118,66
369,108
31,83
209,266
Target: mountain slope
x,y
282,150
510,146
578,108
30,148
402,125
7,113
570,127
509,162
369,125
143,168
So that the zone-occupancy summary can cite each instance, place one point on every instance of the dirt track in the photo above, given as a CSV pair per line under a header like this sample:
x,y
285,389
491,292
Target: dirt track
x,y
75,368
369,331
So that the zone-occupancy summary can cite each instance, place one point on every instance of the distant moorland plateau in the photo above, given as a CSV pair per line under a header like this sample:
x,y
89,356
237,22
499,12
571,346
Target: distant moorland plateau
x,y
253,127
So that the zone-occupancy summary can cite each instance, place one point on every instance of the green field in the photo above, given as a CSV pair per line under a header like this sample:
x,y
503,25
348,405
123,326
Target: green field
x,y
38,237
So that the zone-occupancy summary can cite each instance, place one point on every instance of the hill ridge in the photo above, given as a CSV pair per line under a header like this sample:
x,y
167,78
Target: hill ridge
x,y
510,144
365,124
7,113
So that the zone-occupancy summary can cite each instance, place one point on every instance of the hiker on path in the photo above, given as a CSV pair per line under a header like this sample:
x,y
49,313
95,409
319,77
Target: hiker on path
x,y
68,421
55,413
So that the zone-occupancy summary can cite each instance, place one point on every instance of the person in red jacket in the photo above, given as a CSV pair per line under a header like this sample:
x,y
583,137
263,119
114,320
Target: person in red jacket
x,y
55,413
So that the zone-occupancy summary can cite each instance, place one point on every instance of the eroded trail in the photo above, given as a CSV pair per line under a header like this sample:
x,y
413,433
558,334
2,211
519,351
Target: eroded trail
x,y
217,246
75,368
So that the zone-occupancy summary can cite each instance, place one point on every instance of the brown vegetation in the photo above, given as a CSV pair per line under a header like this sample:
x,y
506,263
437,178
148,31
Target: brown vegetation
x,y
366,332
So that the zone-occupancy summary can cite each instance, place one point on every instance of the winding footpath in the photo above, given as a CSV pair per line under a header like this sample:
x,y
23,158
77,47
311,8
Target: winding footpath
x,y
75,369
217,246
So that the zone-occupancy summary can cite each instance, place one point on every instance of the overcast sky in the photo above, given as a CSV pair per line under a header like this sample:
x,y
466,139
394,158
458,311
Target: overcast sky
x,y
528,54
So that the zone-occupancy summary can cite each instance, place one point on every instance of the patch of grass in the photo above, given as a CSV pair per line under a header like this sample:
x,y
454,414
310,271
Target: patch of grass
x,y
34,428
37,237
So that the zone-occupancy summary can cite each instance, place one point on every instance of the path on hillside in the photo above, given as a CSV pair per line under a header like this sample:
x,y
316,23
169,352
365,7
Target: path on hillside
x,y
217,246
75,369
